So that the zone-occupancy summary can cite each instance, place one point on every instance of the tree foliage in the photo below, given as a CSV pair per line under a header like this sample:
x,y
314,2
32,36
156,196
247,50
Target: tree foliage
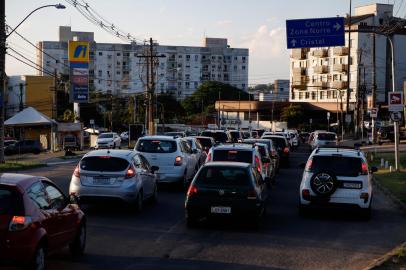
x,y
293,115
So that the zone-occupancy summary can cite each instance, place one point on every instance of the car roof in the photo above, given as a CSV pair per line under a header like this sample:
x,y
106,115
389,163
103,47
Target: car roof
x,y
158,137
111,152
337,151
203,137
228,164
274,136
16,179
240,146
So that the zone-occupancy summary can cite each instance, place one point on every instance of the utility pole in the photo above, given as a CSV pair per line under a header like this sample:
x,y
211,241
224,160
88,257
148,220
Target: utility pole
x,y
349,61
373,84
2,74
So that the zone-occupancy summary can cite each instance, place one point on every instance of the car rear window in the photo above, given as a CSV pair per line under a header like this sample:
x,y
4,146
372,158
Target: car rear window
x,y
233,155
278,142
220,137
204,142
207,134
106,135
156,146
235,134
338,165
326,136
10,202
223,176
261,150
103,164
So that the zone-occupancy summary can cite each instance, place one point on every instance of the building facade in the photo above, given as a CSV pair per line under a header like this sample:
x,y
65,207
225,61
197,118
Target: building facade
x,y
118,69
277,91
320,75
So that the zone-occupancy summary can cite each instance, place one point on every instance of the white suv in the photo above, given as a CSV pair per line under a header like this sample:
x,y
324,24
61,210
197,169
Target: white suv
x,y
177,162
336,177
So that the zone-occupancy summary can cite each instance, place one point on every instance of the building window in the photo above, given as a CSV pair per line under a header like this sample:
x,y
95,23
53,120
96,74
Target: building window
x,y
187,57
118,72
109,56
313,95
243,86
100,73
118,63
235,68
196,57
300,95
179,56
196,84
213,58
187,76
100,53
243,67
118,54
307,95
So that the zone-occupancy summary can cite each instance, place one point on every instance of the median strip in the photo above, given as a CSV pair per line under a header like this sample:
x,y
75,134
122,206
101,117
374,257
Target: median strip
x,y
10,166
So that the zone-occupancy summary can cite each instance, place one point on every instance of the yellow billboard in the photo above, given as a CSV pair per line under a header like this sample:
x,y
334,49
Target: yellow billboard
x,y
79,51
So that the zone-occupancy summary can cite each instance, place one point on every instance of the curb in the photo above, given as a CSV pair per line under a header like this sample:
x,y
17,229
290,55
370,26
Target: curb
x,y
60,162
380,261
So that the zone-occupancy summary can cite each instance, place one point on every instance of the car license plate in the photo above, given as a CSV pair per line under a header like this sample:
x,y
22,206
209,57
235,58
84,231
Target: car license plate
x,y
352,185
101,181
220,210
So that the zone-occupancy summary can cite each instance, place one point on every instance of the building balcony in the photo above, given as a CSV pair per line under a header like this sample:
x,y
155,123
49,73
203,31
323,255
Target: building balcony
x,y
320,53
299,71
300,82
340,51
339,85
299,54
320,69
320,84
340,68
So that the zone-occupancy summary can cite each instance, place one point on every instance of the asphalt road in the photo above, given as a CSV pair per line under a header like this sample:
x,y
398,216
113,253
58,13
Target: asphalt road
x,y
158,238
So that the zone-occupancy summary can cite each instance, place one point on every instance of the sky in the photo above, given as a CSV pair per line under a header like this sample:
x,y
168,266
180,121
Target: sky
x,y
258,25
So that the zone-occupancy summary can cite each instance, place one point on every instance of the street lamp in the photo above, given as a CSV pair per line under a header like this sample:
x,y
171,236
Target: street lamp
x,y
3,38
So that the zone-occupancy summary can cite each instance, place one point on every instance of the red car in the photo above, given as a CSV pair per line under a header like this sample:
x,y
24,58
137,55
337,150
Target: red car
x,y
36,219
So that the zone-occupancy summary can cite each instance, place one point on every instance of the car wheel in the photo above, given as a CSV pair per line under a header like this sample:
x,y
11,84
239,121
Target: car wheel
x,y
77,247
324,184
139,203
38,260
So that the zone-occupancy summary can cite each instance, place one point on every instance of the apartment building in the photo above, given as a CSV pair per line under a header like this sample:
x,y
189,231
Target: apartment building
x,y
117,69
320,75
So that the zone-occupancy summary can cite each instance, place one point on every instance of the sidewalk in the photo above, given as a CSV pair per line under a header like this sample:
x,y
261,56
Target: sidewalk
x,y
48,158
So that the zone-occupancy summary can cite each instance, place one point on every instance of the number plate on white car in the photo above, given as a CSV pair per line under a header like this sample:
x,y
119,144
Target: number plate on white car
x,y
220,210
101,181
352,185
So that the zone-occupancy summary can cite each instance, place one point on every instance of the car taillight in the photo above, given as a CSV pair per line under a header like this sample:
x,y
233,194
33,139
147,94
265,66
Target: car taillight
x,y
76,172
258,164
309,165
178,161
306,194
286,150
192,190
208,157
252,194
365,196
364,168
19,223
130,172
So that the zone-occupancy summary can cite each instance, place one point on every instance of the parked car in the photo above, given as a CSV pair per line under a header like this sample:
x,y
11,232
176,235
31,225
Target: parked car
x,y
124,136
271,148
237,153
206,142
323,139
387,134
36,219
114,174
9,142
282,146
226,189
336,177
24,147
220,136
197,149
108,140
235,135
70,143
176,161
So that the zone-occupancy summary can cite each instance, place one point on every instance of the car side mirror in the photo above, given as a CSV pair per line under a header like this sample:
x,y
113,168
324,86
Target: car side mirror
x,y
154,169
302,165
266,160
373,169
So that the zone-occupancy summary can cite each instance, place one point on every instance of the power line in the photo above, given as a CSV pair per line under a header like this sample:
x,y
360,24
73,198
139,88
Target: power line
x,y
28,64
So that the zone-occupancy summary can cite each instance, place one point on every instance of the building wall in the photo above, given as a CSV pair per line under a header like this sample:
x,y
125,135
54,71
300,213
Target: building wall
x,y
39,94
116,69
14,95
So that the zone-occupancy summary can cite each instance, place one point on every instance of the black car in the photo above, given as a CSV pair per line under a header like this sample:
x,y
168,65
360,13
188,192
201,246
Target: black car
x,y
220,136
23,147
226,189
282,146
271,147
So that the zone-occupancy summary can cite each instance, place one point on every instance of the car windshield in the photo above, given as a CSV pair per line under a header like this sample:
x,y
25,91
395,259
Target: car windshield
x,y
205,142
69,139
223,176
106,135
233,155
326,136
103,164
10,203
338,165
156,146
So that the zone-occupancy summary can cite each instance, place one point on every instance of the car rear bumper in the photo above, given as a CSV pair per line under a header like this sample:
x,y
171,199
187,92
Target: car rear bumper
x,y
170,175
340,202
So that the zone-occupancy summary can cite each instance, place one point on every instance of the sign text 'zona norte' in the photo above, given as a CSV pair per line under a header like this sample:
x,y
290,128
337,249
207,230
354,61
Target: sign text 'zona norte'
x,y
309,33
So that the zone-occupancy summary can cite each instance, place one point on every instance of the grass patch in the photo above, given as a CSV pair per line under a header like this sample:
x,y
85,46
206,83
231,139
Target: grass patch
x,y
19,165
397,261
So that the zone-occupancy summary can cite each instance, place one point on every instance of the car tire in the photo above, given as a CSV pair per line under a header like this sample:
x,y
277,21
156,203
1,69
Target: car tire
x,y
139,202
38,260
77,247
323,184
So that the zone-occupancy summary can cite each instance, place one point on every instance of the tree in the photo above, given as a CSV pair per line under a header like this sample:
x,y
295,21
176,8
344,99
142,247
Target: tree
x,y
204,98
169,108
293,115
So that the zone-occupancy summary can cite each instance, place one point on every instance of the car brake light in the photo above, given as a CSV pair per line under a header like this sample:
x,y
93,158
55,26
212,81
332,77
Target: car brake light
x,y
208,157
306,194
192,190
19,223
364,168
252,194
258,164
178,161
130,172
232,152
104,157
365,196
286,150
76,172
309,165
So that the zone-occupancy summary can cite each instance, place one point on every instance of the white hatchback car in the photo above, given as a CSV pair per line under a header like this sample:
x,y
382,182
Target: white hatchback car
x,y
323,139
176,160
336,177
108,140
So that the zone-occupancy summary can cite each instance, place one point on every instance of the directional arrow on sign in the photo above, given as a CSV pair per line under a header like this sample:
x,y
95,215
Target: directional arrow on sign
x,y
293,41
337,26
